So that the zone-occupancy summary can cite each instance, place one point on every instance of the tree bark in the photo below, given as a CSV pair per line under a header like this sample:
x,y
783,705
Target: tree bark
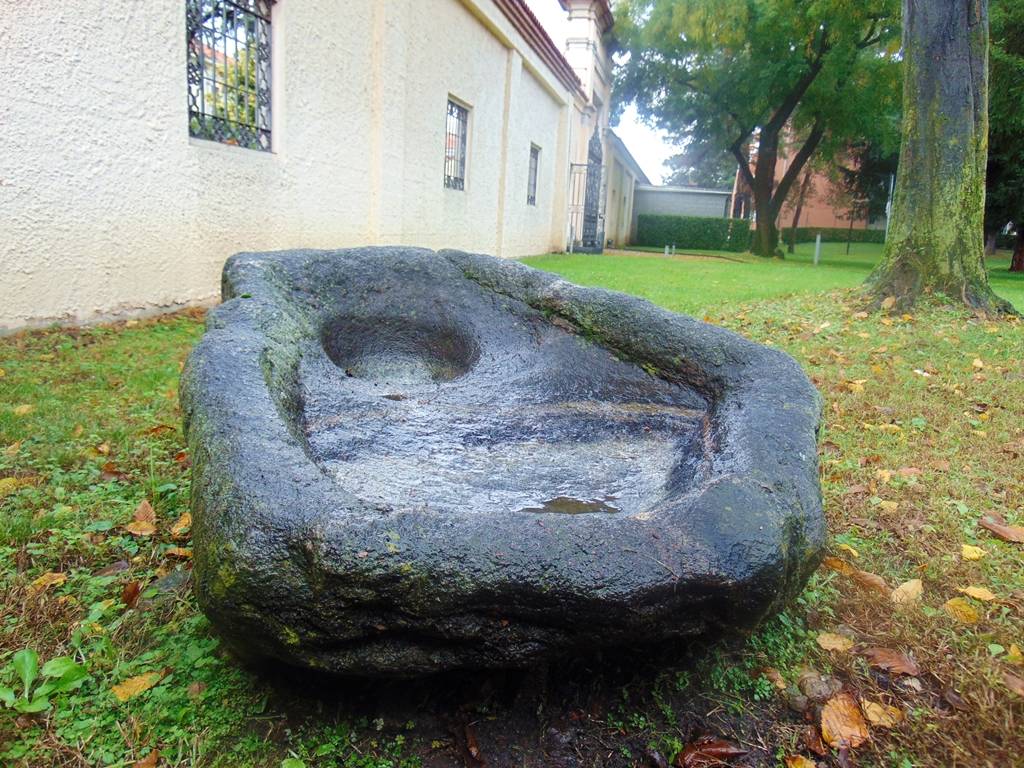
x,y
797,211
990,243
1017,262
935,242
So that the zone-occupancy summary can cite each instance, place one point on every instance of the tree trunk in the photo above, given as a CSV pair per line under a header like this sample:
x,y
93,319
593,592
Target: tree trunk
x,y
935,242
766,236
990,243
1017,262
799,209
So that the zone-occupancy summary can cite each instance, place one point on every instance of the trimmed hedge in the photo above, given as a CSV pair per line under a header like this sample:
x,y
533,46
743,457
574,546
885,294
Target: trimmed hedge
x,y
693,232
835,235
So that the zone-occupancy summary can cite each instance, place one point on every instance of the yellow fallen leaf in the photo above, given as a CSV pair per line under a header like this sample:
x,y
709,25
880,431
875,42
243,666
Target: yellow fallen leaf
x,y
842,724
889,506
908,593
13,448
978,363
848,548
1014,656
961,610
140,528
799,761
47,580
881,715
888,302
831,641
24,409
839,565
182,524
2,373
133,686
978,593
970,552
181,552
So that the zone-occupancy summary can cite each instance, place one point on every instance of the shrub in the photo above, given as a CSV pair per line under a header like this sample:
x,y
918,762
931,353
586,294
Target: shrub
x,y
693,232
835,235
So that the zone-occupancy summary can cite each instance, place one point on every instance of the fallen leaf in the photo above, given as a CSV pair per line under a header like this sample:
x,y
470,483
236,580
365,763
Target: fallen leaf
x,y
999,528
978,363
115,567
144,513
24,409
13,448
130,593
133,686
708,751
908,472
775,677
9,485
1014,683
799,761
961,610
831,641
183,553
149,761
1014,656
893,661
811,739
181,526
838,565
889,506
472,746
970,552
140,528
47,580
908,593
888,302
871,581
849,549
842,724
978,593
881,715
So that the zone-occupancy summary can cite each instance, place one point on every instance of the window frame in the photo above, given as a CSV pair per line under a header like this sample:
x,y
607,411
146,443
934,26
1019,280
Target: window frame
x,y
457,115
532,174
219,108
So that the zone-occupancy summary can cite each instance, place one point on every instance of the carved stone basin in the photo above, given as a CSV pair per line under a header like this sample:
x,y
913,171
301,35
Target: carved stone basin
x,y
407,461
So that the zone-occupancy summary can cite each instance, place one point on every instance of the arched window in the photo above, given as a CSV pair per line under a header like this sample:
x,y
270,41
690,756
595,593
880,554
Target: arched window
x,y
229,71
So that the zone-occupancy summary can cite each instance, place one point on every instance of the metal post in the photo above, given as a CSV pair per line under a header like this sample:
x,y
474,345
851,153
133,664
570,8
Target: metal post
x,y
666,249
817,249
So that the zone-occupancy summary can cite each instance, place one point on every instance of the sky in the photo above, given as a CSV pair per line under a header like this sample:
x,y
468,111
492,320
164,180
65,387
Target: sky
x,y
647,145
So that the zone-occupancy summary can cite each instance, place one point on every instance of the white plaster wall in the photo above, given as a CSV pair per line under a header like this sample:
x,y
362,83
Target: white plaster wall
x,y
107,205
105,202
535,120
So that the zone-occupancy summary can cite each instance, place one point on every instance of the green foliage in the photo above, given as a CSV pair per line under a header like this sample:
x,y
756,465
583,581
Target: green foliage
x,y
795,76
1004,182
836,235
693,232
62,675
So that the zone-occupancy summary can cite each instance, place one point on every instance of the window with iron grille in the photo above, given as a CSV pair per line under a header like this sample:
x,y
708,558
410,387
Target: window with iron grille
x,y
456,129
531,182
229,71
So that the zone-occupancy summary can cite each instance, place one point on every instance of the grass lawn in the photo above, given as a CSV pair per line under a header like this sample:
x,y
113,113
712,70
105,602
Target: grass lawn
x,y
923,436
700,286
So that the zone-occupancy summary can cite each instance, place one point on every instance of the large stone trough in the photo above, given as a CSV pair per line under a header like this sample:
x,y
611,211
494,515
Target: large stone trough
x,y
407,461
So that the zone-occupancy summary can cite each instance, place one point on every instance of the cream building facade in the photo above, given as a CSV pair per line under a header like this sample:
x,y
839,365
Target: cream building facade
x,y
120,194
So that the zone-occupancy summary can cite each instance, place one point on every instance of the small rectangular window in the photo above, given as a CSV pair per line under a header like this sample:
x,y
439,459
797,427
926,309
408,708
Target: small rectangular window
x,y
531,182
229,71
456,129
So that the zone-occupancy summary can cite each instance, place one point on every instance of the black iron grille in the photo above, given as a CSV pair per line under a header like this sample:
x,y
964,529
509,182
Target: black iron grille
x,y
456,127
531,183
229,71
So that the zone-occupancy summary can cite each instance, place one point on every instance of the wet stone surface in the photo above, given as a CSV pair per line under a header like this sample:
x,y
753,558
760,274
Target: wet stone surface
x,y
408,461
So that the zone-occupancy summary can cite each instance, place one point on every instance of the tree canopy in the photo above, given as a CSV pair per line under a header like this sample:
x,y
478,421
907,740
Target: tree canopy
x,y
1004,183
806,76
